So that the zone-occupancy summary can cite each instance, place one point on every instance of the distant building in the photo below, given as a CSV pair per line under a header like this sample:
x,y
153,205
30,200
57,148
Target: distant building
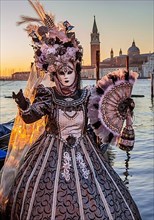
x,y
104,71
88,72
5,78
148,67
137,62
95,43
22,76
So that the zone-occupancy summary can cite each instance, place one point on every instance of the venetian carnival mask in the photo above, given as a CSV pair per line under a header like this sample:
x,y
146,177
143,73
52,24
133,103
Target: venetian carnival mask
x,y
54,45
66,74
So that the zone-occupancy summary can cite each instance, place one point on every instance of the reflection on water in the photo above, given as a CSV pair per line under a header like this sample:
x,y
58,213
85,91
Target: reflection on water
x,y
152,104
110,155
126,173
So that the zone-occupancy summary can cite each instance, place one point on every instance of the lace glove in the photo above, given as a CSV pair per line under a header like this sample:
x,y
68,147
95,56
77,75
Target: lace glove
x,y
20,99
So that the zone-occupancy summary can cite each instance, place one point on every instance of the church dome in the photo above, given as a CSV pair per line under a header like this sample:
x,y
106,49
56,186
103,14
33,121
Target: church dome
x,y
133,50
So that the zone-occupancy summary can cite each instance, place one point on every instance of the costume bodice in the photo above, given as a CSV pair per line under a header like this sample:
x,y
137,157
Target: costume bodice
x,y
70,123
68,115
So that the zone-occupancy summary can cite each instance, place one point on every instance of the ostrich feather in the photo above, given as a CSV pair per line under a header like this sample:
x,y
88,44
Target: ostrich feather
x,y
47,19
40,8
26,19
36,6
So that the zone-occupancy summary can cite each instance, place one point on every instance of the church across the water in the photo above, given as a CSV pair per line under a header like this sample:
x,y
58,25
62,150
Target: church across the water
x,y
141,63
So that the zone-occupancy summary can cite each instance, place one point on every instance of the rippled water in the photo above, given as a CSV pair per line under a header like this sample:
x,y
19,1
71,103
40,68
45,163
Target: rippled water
x,y
135,168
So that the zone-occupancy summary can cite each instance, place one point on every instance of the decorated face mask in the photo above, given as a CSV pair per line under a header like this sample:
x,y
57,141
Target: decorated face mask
x,y
66,74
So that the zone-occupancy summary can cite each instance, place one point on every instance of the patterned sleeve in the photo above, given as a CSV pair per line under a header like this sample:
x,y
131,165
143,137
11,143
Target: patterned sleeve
x,y
41,106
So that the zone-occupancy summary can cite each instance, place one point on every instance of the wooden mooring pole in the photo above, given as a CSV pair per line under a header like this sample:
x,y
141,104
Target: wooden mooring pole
x,y
152,84
97,64
127,63
97,78
127,68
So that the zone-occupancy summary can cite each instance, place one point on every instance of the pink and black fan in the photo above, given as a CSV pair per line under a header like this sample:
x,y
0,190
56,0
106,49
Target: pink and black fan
x,y
110,106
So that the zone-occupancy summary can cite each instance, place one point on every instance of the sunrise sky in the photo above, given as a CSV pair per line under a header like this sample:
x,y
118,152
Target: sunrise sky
x,y
118,22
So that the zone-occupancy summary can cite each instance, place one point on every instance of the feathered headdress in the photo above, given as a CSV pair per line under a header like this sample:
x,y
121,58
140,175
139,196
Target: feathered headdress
x,y
53,44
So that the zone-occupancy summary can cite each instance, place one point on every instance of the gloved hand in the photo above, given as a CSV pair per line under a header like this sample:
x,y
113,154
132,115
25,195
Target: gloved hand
x,y
20,99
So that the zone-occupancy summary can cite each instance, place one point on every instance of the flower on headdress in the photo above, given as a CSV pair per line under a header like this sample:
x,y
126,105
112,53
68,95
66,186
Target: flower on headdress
x,y
51,68
53,33
51,58
51,50
31,28
61,50
60,34
63,59
71,52
44,48
42,30
54,46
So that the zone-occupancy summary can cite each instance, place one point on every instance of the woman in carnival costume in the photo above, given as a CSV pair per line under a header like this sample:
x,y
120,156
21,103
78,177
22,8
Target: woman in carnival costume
x,y
54,168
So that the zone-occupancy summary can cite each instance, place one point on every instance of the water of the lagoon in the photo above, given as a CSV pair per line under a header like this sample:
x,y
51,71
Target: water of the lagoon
x,y
136,168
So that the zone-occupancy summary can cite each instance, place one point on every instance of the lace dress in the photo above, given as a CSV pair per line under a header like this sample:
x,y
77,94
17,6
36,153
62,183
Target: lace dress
x,y
64,176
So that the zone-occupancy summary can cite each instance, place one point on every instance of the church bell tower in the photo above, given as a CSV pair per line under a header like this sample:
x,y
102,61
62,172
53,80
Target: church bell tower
x,y
95,43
